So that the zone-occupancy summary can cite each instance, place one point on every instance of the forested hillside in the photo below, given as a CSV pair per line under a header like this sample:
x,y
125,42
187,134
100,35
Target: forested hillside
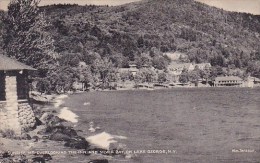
x,y
1,27
122,33
142,31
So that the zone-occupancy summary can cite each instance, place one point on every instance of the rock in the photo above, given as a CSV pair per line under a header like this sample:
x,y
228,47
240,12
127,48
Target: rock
x,y
6,154
54,120
45,137
47,157
99,161
32,124
50,119
77,143
24,121
60,129
38,160
54,111
44,117
26,137
116,145
38,122
59,137
35,138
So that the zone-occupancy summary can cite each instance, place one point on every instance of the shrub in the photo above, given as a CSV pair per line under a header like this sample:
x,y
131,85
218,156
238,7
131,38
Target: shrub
x,y
8,133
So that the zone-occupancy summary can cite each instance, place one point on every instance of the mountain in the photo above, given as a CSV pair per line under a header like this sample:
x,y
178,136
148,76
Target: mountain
x,y
123,33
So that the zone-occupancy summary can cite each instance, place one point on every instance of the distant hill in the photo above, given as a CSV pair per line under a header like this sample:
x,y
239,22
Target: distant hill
x,y
122,33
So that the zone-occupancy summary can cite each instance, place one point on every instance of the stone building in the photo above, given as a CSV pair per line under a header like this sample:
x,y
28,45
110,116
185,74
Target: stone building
x,y
16,114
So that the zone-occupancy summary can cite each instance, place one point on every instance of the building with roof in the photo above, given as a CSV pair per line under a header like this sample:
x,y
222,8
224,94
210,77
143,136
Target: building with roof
x,y
256,82
177,68
132,69
225,81
15,111
202,66
175,56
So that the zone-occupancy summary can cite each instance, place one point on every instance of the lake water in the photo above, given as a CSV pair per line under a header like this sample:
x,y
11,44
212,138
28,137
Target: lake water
x,y
200,124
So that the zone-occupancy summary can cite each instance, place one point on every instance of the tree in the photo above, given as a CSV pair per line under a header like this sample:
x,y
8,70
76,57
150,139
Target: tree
x,y
143,59
195,75
216,71
162,77
126,75
90,57
148,75
205,74
103,68
86,77
160,63
138,78
70,59
43,85
184,77
25,37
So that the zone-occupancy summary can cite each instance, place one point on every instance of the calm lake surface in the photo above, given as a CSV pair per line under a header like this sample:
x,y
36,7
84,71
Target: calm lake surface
x,y
200,124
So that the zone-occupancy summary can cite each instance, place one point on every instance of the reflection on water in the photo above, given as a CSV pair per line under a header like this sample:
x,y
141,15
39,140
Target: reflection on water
x,y
202,125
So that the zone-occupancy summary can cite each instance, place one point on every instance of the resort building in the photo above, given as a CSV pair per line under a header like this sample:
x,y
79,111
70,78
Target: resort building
x,y
132,69
256,82
15,111
228,81
252,82
203,66
176,69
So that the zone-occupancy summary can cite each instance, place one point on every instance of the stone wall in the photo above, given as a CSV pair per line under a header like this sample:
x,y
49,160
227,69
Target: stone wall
x,y
26,116
3,116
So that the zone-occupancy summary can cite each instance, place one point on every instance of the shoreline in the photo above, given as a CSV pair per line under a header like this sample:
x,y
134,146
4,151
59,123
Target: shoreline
x,y
172,88
54,96
56,138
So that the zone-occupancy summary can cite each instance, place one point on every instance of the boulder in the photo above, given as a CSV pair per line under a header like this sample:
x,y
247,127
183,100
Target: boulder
x,y
38,122
38,160
35,138
26,136
54,120
77,142
61,129
59,137
44,118
47,157
99,161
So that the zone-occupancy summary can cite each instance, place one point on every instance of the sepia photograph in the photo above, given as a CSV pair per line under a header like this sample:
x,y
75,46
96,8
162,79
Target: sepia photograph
x,y
129,81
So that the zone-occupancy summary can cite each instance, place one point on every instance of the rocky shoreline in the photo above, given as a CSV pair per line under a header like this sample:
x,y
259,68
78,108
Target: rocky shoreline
x,y
54,138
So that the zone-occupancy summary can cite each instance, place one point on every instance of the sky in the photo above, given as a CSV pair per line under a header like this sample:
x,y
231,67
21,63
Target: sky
x,y
249,6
